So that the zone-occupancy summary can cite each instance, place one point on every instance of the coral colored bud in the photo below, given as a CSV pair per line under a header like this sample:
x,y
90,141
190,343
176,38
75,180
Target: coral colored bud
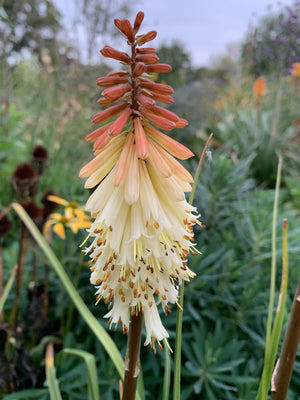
x,y
140,139
118,24
259,87
156,87
162,112
108,113
116,92
159,97
159,68
97,133
119,123
160,122
123,162
157,160
138,20
139,69
107,81
145,101
181,123
110,52
142,39
127,29
147,58
103,101
118,73
172,146
102,141
145,50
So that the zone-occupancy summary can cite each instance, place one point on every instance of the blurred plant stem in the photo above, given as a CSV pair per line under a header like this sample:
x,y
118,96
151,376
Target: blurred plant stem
x,y
132,362
1,283
23,246
283,370
178,337
276,117
71,304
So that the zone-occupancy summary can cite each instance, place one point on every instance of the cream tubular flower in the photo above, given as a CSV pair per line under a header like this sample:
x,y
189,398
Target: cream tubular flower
x,y
143,226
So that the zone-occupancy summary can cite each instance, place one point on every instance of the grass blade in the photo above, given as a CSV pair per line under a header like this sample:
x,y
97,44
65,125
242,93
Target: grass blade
x,y
268,365
8,287
90,363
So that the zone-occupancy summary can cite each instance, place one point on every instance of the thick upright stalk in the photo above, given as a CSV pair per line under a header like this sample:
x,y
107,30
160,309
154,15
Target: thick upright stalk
x,y
132,362
283,371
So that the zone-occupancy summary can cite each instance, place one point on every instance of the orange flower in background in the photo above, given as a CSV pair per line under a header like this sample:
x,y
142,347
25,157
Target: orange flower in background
x,y
296,69
143,228
259,87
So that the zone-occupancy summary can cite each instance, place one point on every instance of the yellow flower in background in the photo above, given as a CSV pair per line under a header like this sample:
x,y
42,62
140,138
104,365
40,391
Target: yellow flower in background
x,y
143,227
74,218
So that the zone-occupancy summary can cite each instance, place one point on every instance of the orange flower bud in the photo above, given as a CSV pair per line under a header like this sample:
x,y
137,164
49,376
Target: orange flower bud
x,y
259,87
116,92
159,97
172,146
140,139
117,126
108,113
102,141
142,39
97,133
162,112
181,123
110,52
156,87
145,101
125,27
118,24
159,68
139,69
160,122
118,73
138,20
157,160
103,101
147,58
123,162
145,50
107,81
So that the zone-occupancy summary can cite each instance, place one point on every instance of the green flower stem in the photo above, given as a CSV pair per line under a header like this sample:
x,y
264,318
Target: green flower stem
x,y
132,367
283,371
178,338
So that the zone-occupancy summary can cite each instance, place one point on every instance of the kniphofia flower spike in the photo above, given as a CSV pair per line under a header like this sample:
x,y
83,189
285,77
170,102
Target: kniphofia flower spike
x,y
143,227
